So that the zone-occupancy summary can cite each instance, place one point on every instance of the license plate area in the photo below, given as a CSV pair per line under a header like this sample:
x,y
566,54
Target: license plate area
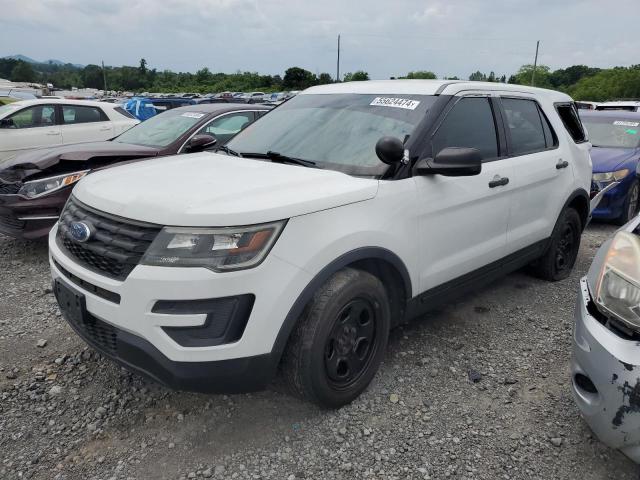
x,y
72,303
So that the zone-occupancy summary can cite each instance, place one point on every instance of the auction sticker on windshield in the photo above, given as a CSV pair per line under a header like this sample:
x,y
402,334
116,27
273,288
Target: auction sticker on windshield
x,y
395,102
193,114
626,124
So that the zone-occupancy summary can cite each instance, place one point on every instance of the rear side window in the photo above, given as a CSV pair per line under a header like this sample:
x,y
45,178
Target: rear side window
x,y
529,130
569,115
122,111
470,124
82,114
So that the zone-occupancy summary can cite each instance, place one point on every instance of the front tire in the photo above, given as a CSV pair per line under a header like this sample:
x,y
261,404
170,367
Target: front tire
x,y
339,342
559,258
630,205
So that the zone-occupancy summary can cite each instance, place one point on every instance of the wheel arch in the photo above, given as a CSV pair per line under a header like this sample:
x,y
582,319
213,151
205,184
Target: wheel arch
x,y
378,261
579,201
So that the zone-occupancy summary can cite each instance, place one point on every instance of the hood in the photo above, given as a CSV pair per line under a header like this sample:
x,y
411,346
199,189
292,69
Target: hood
x,y
37,160
609,159
209,189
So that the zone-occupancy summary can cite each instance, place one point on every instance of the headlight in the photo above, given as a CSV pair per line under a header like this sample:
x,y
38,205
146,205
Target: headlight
x,y
220,249
44,186
618,289
610,176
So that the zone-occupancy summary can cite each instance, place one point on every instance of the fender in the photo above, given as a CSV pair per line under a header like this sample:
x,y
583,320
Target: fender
x,y
363,253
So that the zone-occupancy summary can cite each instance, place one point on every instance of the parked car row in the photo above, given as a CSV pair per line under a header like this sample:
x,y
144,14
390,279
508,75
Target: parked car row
x,y
293,245
34,186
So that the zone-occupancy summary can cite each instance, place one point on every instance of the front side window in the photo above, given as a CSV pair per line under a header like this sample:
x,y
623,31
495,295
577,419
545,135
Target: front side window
x,y
225,127
336,131
37,116
612,132
161,130
469,124
525,126
73,114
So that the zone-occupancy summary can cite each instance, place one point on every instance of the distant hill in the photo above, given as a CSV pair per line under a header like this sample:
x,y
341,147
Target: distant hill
x,y
53,61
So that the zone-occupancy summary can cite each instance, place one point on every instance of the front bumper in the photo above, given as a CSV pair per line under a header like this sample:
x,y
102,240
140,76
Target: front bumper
x,y
31,218
129,309
612,364
612,204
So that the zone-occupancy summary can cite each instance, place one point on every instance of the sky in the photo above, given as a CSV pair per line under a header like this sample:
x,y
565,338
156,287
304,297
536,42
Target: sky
x,y
383,37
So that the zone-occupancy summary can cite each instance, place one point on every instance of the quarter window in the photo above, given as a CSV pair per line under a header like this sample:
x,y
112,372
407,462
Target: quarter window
x,y
470,124
525,125
37,116
569,116
82,114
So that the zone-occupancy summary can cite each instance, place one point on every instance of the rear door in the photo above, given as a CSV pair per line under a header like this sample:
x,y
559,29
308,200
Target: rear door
x,y
28,128
542,174
82,123
463,220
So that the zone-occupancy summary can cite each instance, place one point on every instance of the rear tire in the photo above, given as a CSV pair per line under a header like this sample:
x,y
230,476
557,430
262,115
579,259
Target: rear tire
x,y
339,341
560,256
630,205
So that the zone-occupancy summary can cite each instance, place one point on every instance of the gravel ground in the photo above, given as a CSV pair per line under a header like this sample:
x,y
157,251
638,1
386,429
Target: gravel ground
x,y
66,413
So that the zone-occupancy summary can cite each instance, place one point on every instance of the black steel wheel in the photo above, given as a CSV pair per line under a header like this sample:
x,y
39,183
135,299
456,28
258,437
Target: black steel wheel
x,y
339,342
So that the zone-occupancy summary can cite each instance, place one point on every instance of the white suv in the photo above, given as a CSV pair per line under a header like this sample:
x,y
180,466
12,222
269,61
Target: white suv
x,y
294,249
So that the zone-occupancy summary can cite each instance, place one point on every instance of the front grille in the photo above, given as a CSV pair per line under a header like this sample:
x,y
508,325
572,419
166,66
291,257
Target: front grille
x,y
9,188
11,222
101,334
116,244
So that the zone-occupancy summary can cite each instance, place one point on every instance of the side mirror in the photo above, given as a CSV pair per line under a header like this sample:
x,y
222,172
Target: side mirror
x,y
6,123
452,162
390,150
200,142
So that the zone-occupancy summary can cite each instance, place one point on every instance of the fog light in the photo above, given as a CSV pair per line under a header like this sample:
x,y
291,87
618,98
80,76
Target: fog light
x,y
584,383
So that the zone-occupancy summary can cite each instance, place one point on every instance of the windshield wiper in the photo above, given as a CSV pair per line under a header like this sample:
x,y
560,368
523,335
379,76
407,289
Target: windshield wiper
x,y
277,157
228,151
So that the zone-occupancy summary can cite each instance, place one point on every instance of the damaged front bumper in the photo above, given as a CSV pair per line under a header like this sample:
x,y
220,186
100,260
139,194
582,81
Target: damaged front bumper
x,y
605,372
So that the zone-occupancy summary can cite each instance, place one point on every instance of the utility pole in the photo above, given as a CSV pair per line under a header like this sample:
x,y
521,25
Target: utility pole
x,y
338,63
535,65
104,78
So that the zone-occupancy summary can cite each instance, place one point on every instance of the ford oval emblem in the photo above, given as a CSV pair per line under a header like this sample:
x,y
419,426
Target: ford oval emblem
x,y
80,231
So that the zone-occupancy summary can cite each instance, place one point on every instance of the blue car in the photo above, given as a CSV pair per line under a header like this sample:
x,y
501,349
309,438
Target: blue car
x,y
615,136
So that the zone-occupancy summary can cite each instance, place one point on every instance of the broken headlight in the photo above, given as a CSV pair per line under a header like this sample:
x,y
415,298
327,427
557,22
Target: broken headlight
x,y
618,287
219,249
45,186
609,177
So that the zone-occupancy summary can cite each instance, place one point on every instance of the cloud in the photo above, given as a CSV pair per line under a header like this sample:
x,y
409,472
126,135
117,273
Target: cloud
x,y
454,37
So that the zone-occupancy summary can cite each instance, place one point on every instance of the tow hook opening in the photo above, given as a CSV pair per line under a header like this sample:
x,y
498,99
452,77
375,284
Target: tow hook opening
x,y
584,383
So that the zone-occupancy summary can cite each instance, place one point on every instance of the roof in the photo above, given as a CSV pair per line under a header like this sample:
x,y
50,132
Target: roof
x,y
621,103
428,87
56,101
220,107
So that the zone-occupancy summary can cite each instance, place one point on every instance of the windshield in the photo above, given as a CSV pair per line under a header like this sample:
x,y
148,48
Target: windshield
x,y
611,133
161,130
336,131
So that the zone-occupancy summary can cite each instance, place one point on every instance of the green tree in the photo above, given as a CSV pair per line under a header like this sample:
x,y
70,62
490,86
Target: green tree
x,y
92,77
296,78
542,77
422,75
610,84
357,76
23,72
478,76
324,78
143,67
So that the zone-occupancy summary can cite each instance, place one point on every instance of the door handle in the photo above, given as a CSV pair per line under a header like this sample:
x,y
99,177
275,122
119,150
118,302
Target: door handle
x,y
53,132
498,181
562,164
105,128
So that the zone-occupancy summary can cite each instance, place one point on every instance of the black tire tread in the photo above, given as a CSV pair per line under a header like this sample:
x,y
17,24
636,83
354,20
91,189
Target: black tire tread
x,y
544,268
295,362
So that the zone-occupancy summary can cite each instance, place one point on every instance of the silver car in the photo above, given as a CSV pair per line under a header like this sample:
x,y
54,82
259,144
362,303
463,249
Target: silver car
x,y
606,343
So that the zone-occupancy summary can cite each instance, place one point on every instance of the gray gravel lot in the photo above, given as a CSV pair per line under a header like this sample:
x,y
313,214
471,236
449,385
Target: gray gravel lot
x,y
66,413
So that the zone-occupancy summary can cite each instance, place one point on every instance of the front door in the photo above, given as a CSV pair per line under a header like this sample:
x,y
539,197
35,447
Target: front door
x,y
463,220
31,127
